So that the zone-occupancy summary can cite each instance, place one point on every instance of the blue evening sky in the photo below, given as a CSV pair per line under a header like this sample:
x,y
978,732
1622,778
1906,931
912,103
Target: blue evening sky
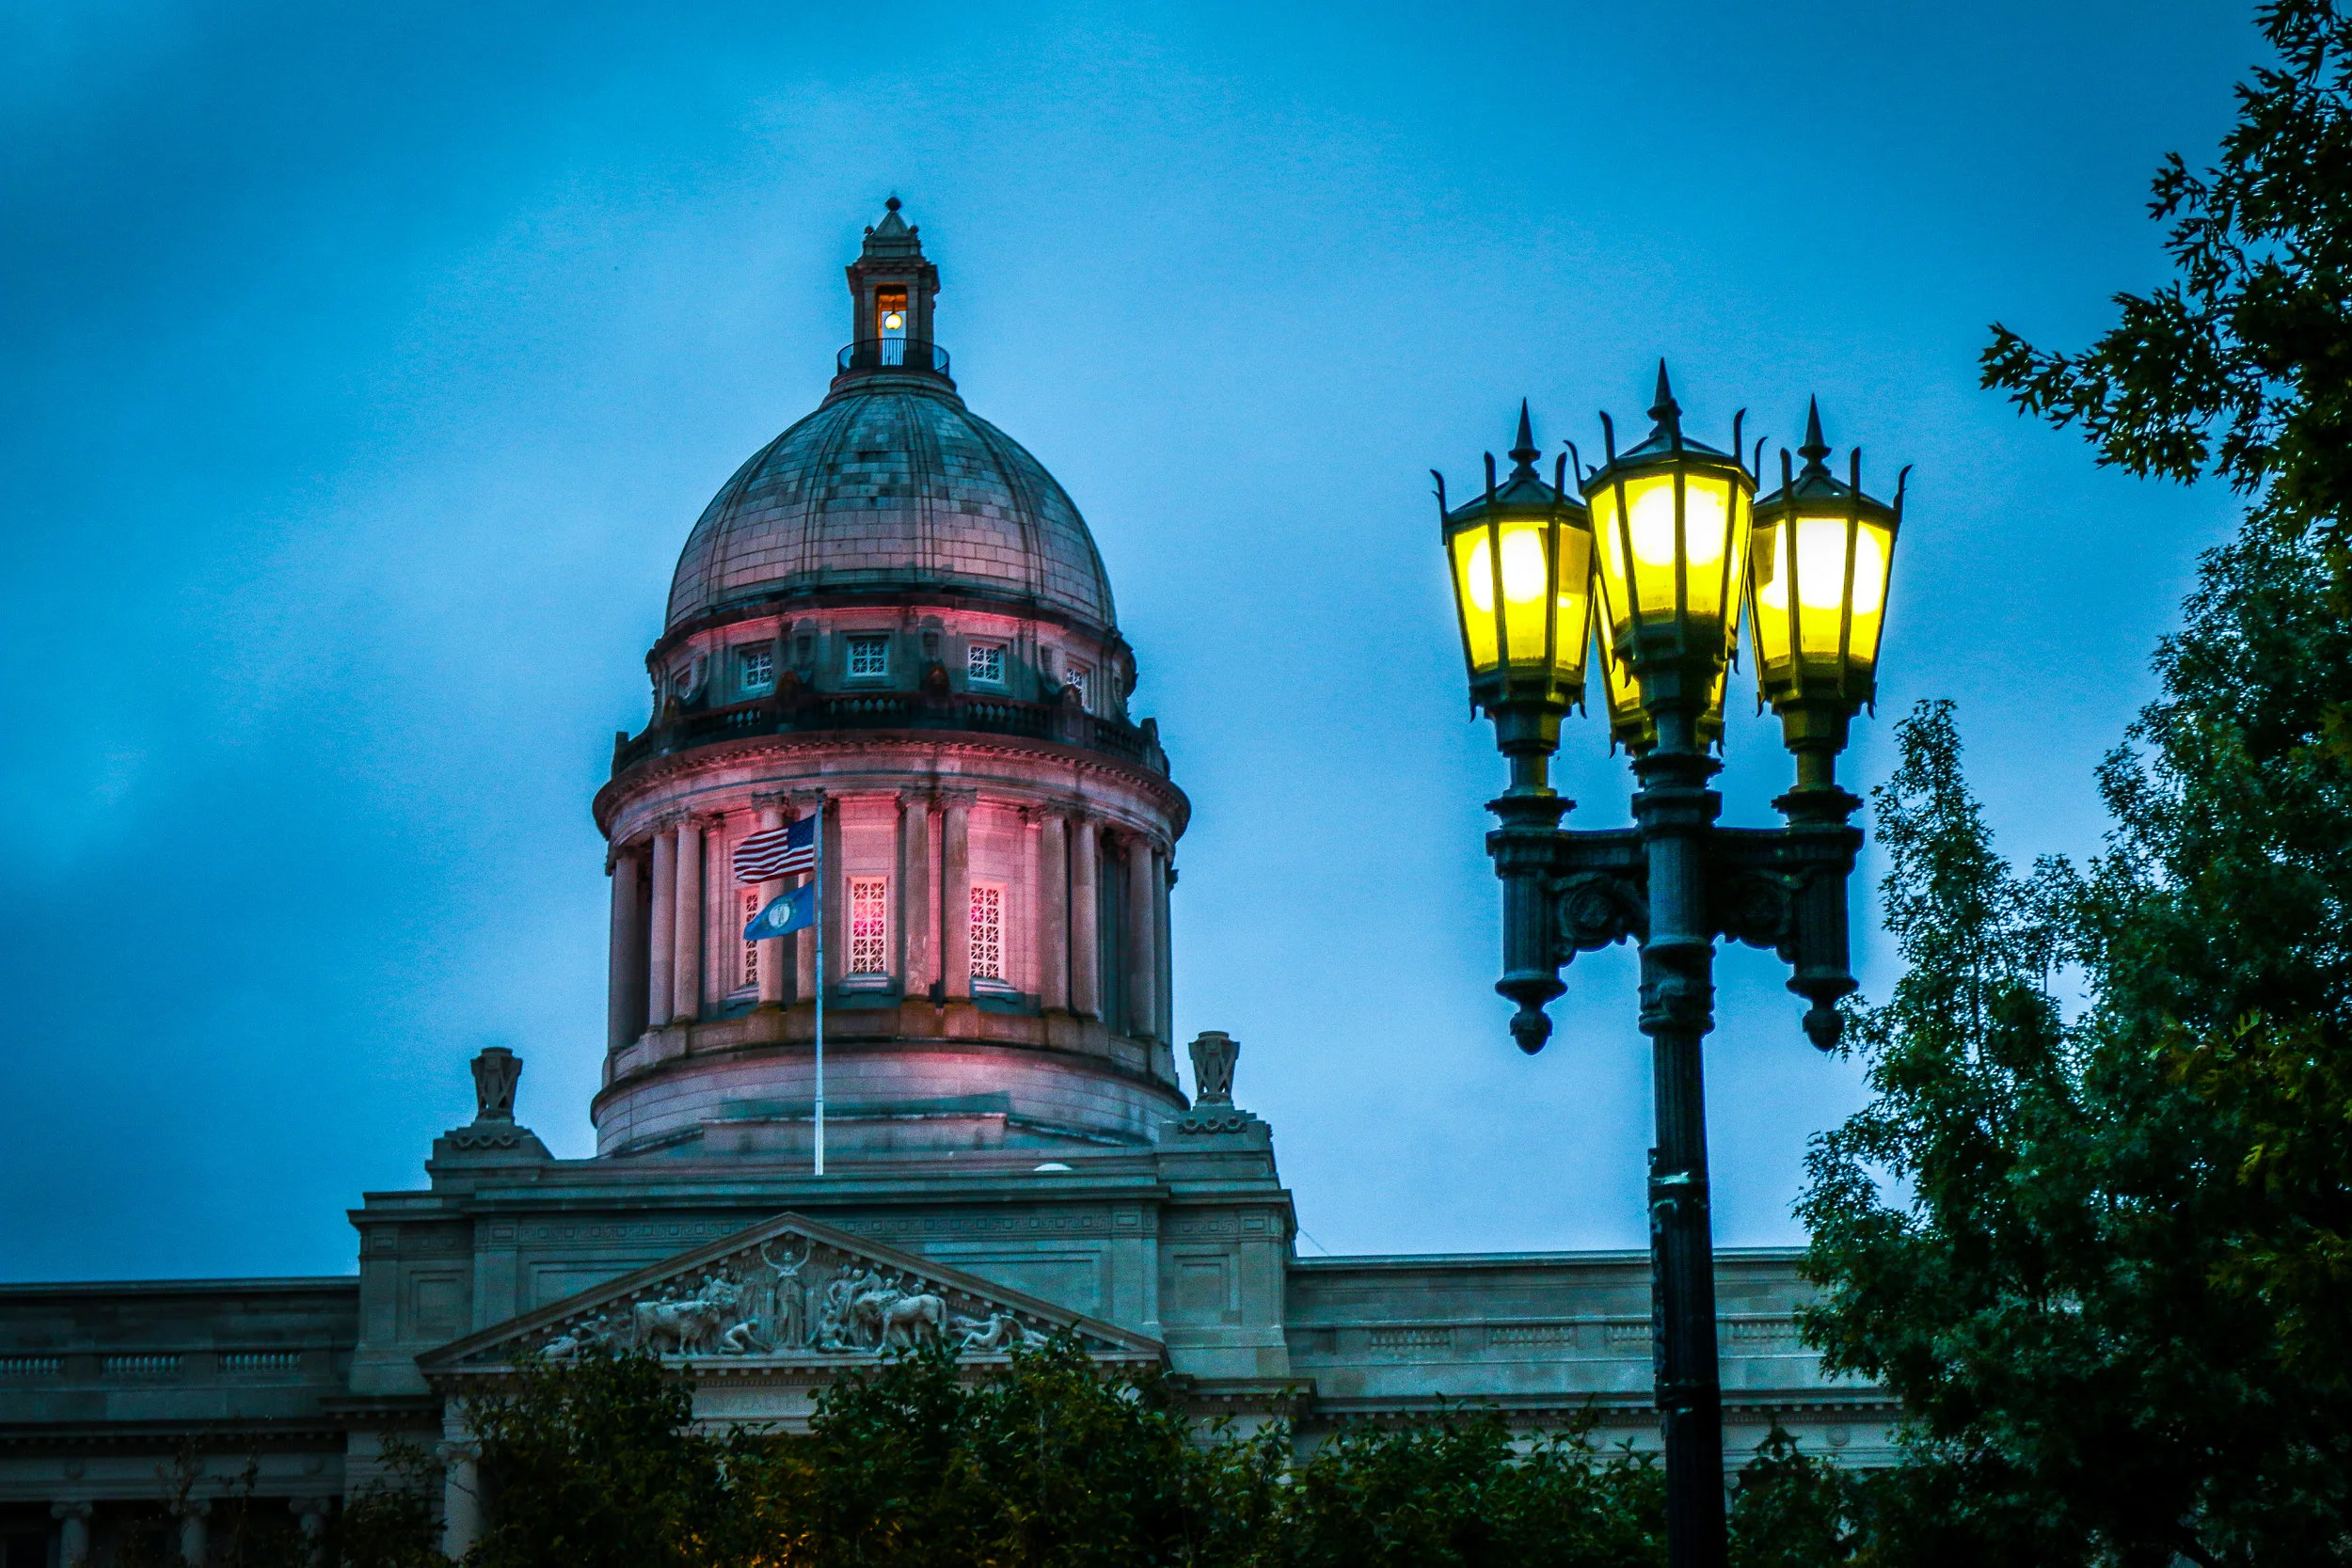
x,y
366,365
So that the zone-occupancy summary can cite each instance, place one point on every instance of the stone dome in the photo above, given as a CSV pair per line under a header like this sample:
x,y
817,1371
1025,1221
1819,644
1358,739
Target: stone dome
x,y
893,483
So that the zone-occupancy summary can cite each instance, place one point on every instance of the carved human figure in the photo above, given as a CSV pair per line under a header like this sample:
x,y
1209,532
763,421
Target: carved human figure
x,y
1000,1331
789,1324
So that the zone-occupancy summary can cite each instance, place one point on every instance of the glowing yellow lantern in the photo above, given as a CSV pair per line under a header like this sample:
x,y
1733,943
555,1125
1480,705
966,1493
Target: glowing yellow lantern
x,y
1629,721
1671,527
1822,552
1522,559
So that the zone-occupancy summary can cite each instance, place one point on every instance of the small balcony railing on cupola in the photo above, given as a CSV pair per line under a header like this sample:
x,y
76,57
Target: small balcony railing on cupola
x,y
893,354
799,710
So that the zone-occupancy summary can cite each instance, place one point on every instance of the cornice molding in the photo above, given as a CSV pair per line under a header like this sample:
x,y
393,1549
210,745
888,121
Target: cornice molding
x,y
647,776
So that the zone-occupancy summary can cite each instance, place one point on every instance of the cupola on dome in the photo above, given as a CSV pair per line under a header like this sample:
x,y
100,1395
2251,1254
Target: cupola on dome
x,y
893,483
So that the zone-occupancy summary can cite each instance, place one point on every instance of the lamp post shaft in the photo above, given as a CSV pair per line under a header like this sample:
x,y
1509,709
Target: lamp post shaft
x,y
1676,812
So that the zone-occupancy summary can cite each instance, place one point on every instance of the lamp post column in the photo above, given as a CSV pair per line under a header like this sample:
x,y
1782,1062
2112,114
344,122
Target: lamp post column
x,y
1676,812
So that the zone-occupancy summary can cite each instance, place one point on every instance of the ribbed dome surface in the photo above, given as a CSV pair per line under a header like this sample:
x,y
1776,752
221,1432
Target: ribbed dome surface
x,y
890,485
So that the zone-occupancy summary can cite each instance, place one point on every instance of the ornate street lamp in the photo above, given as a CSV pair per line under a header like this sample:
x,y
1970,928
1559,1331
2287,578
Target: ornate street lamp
x,y
1679,546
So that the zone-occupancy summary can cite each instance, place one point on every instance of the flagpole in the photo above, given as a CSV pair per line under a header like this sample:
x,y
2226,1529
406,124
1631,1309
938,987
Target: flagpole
x,y
820,984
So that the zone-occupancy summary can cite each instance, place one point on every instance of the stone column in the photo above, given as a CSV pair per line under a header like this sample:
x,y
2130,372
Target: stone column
x,y
461,1489
1163,882
1143,942
919,964
771,951
72,1532
686,926
805,943
835,895
955,876
194,1538
1085,990
1052,914
662,947
311,1517
624,968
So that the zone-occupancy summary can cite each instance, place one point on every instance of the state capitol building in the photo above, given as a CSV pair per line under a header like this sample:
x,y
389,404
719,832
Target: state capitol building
x,y
892,619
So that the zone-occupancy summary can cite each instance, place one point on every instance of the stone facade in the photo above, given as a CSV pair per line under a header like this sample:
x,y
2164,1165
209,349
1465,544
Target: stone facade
x,y
893,619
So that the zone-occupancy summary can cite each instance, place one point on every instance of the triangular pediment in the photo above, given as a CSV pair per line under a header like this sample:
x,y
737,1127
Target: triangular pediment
x,y
788,1292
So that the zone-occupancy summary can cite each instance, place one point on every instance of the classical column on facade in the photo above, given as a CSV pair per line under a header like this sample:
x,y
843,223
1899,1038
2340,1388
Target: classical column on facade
x,y
804,801
461,1488
918,909
955,876
624,969
662,947
1085,988
835,900
1053,912
72,1532
771,959
310,1518
1164,879
195,1532
686,926
1143,942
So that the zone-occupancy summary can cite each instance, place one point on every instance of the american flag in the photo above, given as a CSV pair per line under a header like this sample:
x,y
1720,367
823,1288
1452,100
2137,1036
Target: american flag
x,y
777,852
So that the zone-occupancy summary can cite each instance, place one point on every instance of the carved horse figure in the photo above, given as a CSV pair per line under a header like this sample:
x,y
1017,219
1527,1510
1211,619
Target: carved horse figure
x,y
689,1325
911,1319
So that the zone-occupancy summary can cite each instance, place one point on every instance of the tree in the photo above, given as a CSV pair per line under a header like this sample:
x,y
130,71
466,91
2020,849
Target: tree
x,y
1459,1491
2103,1260
596,1465
2242,365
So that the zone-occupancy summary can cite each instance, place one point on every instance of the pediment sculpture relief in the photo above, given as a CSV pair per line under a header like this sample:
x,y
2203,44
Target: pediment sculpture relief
x,y
791,1290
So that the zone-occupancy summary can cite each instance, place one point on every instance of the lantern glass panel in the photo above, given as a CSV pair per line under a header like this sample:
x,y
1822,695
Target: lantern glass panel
x,y
1627,723
1713,526
1828,564
1874,552
1475,597
1526,588
1573,606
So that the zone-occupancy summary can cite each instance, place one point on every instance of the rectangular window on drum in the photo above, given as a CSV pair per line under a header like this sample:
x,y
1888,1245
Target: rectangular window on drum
x,y
759,669
869,926
751,949
988,932
1081,680
984,662
870,656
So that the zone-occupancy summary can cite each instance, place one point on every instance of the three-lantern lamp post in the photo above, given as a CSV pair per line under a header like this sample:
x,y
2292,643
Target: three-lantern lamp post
x,y
1646,566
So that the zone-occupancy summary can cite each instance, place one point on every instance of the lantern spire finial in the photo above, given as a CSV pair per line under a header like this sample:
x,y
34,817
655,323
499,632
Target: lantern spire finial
x,y
1814,449
1525,453
1667,412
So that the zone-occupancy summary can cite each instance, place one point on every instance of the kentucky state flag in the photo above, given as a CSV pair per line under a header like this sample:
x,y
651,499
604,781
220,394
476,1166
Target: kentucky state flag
x,y
785,914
